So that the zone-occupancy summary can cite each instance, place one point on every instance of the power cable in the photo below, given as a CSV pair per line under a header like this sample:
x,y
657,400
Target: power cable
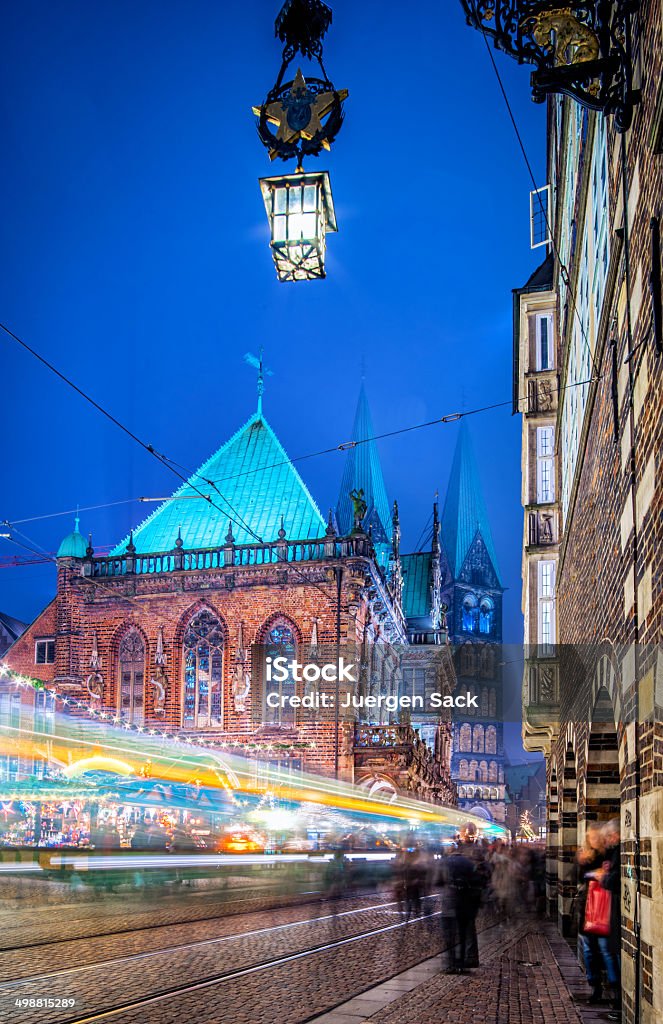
x,y
563,269
159,456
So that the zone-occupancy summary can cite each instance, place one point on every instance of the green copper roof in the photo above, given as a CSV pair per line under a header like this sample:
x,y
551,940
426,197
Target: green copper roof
x,y
259,485
73,545
363,471
416,584
464,511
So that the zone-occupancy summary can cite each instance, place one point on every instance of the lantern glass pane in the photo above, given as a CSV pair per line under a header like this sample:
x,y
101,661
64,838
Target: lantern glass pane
x,y
279,229
295,200
309,225
279,200
310,198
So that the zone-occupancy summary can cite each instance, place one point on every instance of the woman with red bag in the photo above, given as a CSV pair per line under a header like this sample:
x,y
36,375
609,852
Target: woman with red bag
x,y
594,915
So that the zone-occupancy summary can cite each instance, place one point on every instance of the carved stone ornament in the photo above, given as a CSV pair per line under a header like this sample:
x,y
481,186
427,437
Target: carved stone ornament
x,y
159,684
95,686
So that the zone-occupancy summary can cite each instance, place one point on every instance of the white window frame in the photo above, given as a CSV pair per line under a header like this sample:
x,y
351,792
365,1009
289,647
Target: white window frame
x,y
535,210
45,640
540,317
545,465
546,579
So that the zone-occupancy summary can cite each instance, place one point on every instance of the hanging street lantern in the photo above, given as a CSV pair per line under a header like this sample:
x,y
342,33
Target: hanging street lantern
x,y
300,211
300,118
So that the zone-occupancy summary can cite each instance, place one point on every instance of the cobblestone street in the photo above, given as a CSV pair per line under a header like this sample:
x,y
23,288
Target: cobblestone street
x,y
168,963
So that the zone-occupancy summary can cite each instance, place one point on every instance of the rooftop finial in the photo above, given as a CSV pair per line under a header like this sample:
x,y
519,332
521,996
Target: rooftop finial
x,y
258,364
77,520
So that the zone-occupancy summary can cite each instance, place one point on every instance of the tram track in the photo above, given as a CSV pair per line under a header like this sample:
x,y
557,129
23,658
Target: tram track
x,y
114,962
225,978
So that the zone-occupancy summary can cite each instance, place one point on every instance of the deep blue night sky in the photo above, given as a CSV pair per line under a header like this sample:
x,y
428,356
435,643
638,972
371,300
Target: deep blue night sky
x,y
136,258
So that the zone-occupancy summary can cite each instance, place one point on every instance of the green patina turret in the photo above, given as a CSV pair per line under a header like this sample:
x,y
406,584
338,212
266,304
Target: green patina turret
x,y
74,544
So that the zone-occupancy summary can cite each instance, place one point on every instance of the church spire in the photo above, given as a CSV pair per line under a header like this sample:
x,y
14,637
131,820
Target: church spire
x,y
257,362
464,513
363,472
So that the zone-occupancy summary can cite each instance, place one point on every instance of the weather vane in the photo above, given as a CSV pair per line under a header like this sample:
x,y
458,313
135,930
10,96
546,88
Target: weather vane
x,y
299,118
257,363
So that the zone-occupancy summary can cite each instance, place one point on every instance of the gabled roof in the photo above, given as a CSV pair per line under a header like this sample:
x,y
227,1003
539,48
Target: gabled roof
x,y
464,513
363,471
14,627
416,571
259,485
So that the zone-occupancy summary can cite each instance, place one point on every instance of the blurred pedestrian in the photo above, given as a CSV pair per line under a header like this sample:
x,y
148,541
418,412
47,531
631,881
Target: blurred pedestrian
x,y
597,952
610,878
336,879
457,883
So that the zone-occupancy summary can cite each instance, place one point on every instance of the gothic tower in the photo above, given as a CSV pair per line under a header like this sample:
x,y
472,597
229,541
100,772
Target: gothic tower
x,y
475,630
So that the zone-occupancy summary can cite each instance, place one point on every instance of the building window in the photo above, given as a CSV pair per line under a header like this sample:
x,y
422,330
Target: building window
x,y
545,479
279,643
491,740
546,602
463,769
467,660
470,614
45,652
483,772
492,771
465,738
132,677
544,342
203,671
477,739
486,615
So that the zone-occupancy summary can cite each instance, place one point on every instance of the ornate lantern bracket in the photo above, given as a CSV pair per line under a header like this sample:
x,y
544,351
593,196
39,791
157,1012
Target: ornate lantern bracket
x,y
581,50
307,113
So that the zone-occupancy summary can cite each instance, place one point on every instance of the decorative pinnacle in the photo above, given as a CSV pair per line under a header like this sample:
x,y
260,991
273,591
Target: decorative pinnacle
x,y
131,547
258,364
331,531
229,536
179,542
302,24
281,534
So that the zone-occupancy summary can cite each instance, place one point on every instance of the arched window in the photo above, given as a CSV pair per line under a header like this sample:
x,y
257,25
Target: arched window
x,y
279,643
483,771
461,792
485,793
467,660
477,739
470,614
494,794
132,677
487,662
492,772
203,671
470,791
474,768
486,615
491,739
492,703
463,770
465,737
484,702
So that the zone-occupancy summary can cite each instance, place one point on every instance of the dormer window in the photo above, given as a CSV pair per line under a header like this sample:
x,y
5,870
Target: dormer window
x,y
544,342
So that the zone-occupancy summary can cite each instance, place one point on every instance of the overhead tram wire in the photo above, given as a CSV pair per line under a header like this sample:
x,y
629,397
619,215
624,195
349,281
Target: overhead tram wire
x,y
160,457
565,274
344,446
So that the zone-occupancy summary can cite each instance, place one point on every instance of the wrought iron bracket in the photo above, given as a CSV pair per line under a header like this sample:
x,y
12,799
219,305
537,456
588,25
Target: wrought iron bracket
x,y
581,50
307,113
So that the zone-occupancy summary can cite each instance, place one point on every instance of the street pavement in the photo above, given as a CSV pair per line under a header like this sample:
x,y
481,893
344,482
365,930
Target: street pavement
x,y
288,965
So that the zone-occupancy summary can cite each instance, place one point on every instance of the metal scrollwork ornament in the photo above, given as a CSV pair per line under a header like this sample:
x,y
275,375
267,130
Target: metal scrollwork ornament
x,y
307,113
581,50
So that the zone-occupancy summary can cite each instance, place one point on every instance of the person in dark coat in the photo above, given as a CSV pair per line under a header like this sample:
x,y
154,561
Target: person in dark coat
x,y
457,884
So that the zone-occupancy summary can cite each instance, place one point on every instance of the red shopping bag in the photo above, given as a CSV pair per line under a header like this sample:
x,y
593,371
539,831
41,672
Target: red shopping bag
x,y
597,910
